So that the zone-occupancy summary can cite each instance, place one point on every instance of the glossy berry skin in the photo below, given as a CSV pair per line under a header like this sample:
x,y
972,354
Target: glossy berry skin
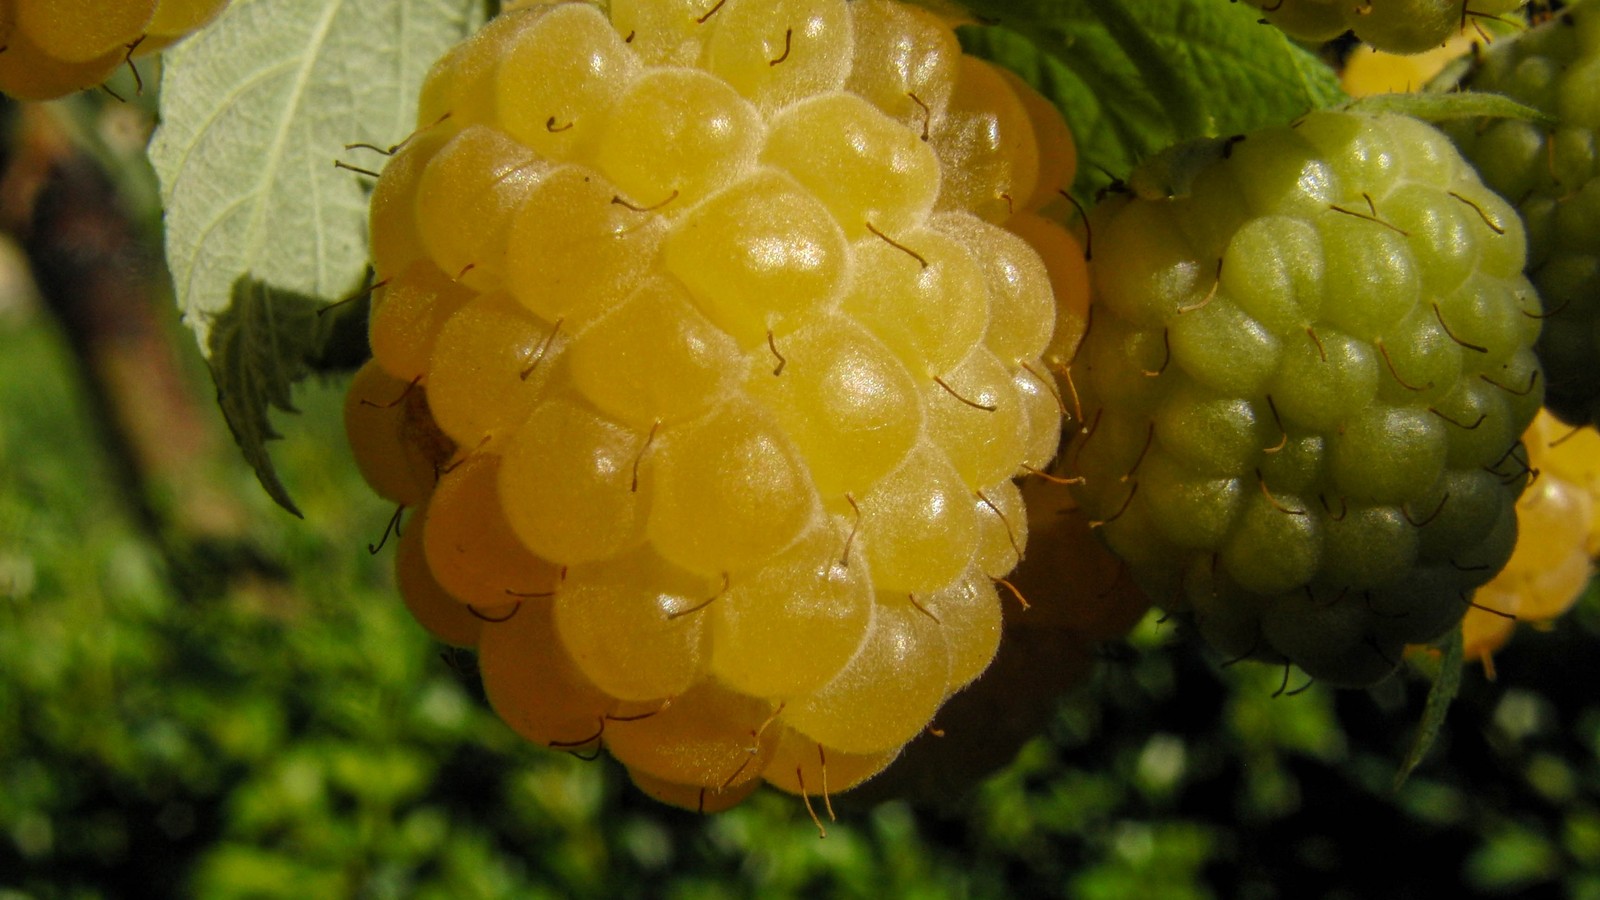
x,y
1551,173
1558,521
1394,26
56,47
1079,598
726,320
1308,367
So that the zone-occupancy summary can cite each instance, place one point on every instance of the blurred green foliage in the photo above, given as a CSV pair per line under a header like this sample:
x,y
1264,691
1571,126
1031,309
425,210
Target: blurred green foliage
x,y
289,732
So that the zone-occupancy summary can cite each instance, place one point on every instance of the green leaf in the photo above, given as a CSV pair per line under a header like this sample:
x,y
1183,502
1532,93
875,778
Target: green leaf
x,y
258,347
1443,107
1446,684
255,109
1135,76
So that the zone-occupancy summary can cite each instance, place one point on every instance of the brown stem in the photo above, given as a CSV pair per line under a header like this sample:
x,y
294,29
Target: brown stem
x,y
100,276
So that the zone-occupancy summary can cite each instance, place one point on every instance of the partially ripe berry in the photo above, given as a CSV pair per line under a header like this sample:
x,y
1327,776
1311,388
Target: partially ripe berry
x,y
1394,26
1552,175
1301,424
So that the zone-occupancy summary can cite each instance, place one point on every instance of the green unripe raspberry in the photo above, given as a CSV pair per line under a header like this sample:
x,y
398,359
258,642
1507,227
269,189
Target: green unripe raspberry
x,y
1395,26
1552,175
1301,427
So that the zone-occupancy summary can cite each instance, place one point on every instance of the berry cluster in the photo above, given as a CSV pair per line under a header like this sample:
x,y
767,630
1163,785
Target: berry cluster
x,y
1558,522
1552,175
1303,388
1396,26
50,48
1080,597
707,348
